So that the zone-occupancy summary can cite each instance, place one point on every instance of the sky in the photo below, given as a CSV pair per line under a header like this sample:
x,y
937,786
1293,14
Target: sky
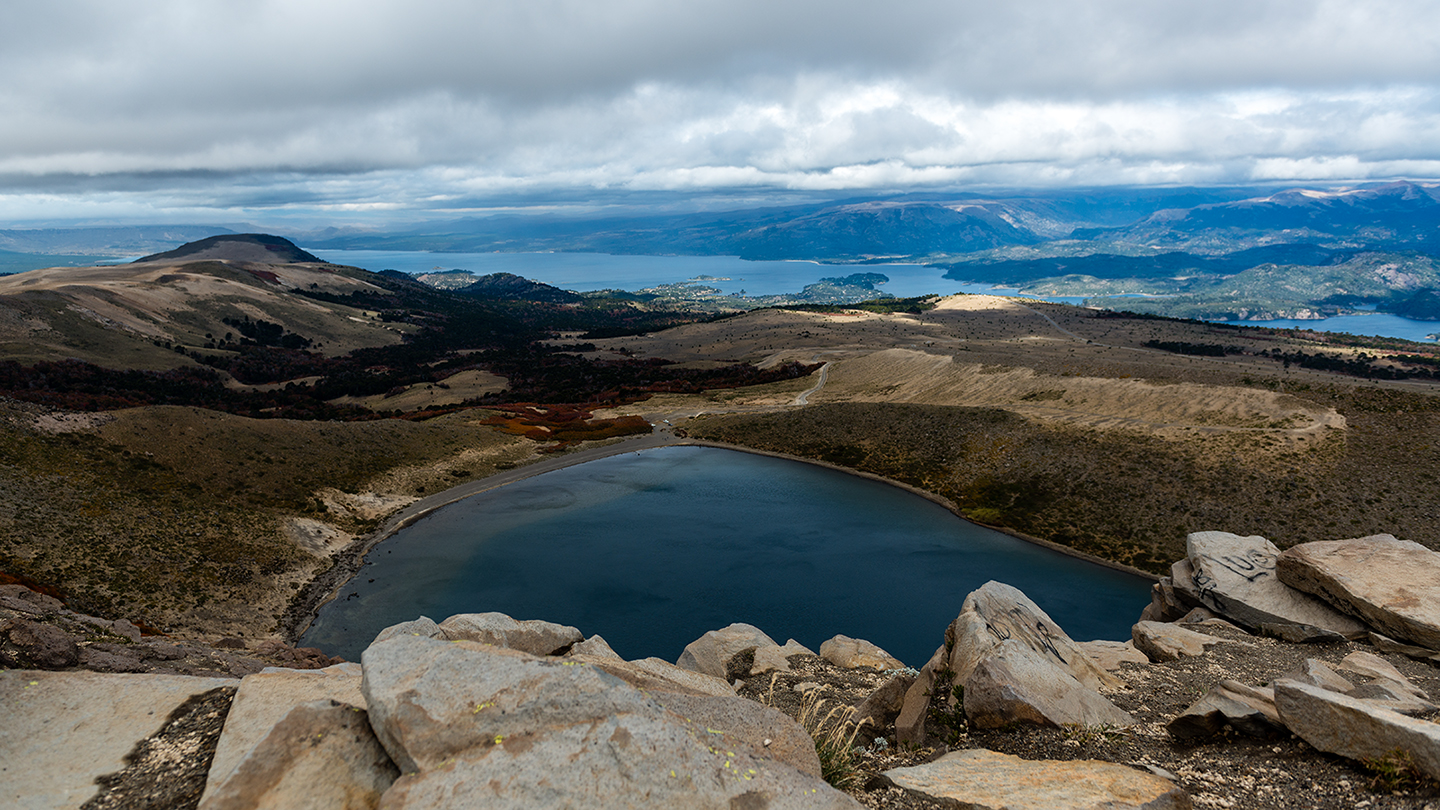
x,y
376,113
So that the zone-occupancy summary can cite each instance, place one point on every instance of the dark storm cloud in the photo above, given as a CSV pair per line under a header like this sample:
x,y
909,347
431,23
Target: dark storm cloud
x,y
392,105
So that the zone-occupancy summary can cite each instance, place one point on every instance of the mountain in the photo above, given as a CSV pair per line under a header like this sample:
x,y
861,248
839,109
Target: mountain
x,y
1393,215
104,241
261,248
882,229
510,287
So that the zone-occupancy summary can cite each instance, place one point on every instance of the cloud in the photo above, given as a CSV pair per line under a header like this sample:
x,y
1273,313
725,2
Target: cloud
x,y
270,106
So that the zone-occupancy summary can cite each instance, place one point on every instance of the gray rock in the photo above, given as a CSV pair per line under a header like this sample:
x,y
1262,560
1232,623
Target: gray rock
x,y
1015,684
105,661
532,636
320,755
619,760
992,613
35,645
1235,577
883,705
772,658
265,698
1111,654
910,723
1352,728
1390,645
1317,673
743,723
987,780
711,652
21,598
1247,709
423,626
1394,585
1182,583
852,653
1164,605
657,675
1392,695
594,647
1373,666
104,717
1167,642
1300,633
431,700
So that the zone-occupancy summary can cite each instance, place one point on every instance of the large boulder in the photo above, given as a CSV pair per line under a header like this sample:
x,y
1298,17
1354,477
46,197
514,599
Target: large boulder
x,y
532,636
987,780
1355,728
881,706
712,652
320,754
265,698
657,675
478,725
1015,684
993,613
770,659
852,653
1392,584
1111,654
1235,577
423,626
27,644
622,760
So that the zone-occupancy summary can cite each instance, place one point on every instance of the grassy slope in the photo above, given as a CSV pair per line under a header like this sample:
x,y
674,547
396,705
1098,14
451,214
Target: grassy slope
x,y
174,515
1128,497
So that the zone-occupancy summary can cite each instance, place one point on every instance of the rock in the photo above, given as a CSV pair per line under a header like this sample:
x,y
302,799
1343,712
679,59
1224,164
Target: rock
x,y
295,657
533,636
1350,727
1111,654
987,780
1015,684
658,675
1167,642
1182,583
265,698
1247,709
594,647
711,652
910,723
97,660
1317,673
773,658
423,626
1300,633
21,598
230,643
851,653
1235,577
104,716
124,628
883,705
1373,666
1392,695
1165,605
27,644
430,700
321,754
620,760
744,723
1390,645
1200,615
992,613
1392,584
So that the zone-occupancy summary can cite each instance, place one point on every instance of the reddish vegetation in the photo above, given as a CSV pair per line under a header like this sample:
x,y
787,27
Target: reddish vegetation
x,y
16,579
567,424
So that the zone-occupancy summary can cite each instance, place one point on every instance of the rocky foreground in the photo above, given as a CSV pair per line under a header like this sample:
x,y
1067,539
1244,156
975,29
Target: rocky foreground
x,y
1254,679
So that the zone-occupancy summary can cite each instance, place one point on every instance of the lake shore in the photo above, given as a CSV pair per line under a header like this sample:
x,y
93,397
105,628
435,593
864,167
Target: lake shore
x,y
327,586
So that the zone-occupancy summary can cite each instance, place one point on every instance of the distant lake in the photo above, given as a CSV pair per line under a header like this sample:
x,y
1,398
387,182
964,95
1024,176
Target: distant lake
x,y
585,272
654,548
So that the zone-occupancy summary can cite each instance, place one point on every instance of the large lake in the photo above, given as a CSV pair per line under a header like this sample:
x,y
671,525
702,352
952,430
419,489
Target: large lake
x,y
598,271
652,549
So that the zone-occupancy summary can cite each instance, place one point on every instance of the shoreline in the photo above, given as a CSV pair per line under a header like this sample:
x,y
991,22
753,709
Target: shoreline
x,y
318,592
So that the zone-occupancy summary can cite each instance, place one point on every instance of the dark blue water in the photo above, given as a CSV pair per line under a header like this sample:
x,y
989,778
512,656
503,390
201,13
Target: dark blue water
x,y
652,549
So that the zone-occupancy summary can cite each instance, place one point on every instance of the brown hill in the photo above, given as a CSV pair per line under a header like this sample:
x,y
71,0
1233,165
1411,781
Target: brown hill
x,y
261,248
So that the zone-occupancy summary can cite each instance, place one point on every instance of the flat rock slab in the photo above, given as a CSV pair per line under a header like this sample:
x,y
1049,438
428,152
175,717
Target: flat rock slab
x,y
986,780
1355,728
321,754
1235,577
265,698
533,636
1248,709
60,730
1392,584
1168,642
1111,654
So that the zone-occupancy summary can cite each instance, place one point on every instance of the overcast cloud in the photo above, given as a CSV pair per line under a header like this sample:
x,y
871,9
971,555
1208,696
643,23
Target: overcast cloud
x,y
326,111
